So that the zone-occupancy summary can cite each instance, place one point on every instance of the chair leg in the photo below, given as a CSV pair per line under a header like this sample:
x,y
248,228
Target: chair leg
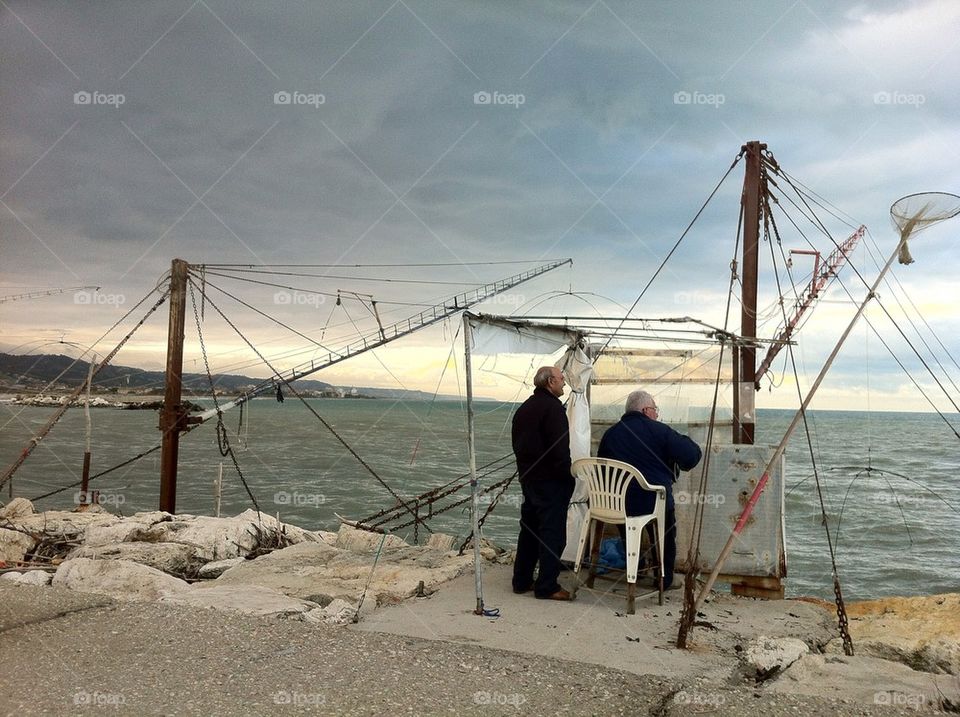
x,y
594,552
631,598
660,561
581,546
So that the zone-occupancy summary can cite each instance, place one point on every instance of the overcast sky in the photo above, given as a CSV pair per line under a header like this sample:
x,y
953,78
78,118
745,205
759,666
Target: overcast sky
x,y
409,131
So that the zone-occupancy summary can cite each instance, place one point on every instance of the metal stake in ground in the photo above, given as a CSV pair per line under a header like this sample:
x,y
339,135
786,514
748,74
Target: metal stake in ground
x,y
472,450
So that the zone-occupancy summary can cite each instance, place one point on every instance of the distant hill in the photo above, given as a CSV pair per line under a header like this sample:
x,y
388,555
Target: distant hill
x,y
34,371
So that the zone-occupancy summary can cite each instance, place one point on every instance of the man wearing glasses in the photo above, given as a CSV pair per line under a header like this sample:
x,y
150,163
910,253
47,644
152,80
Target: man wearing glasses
x,y
658,452
541,442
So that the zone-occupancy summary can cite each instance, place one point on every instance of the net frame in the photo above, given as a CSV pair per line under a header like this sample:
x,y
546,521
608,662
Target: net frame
x,y
913,213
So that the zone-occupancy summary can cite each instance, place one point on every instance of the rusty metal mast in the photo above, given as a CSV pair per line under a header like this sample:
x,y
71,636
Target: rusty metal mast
x,y
745,356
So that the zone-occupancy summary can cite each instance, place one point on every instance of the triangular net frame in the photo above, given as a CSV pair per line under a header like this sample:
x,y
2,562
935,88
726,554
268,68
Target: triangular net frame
x,y
915,212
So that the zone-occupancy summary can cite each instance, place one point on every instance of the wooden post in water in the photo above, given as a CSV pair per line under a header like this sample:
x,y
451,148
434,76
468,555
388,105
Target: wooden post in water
x,y
85,476
744,420
172,416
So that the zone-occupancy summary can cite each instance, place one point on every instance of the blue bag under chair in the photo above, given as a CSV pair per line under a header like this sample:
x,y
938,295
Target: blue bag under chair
x,y
613,554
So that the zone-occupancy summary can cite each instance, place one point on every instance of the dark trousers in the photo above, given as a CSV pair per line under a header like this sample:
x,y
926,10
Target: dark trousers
x,y
543,534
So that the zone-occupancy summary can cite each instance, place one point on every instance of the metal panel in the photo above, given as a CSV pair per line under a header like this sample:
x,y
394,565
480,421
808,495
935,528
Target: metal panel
x,y
734,473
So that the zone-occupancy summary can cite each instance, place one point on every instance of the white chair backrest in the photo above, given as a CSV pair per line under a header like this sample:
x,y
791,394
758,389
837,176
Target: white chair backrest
x,y
607,481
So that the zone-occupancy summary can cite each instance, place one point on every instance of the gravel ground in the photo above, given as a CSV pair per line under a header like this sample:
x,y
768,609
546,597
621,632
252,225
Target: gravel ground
x,y
66,653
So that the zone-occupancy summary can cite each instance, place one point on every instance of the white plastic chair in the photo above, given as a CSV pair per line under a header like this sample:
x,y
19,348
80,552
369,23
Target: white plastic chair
x,y
607,482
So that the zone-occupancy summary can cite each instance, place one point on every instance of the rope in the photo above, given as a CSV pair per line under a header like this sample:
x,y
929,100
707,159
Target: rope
x,y
838,595
377,266
376,559
672,250
271,318
306,291
223,441
58,414
101,473
893,321
312,410
378,279
73,363
688,612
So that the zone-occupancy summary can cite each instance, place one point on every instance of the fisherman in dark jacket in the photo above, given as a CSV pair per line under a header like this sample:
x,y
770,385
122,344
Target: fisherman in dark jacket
x,y
541,442
658,452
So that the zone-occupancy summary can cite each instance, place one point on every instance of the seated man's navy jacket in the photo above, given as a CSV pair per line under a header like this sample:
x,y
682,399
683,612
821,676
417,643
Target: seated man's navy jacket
x,y
653,448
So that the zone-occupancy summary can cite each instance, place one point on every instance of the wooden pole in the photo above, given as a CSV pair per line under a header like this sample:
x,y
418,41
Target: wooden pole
x,y
218,491
750,201
172,417
85,476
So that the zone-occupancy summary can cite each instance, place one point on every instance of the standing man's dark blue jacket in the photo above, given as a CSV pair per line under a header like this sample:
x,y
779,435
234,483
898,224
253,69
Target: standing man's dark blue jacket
x,y
654,449
541,439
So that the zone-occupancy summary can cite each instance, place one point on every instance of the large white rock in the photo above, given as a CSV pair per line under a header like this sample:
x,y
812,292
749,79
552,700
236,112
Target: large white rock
x,y
246,599
922,632
217,568
294,534
766,655
222,538
359,541
338,612
14,545
867,679
172,558
34,577
67,524
16,508
321,573
441,541
120,579
128,529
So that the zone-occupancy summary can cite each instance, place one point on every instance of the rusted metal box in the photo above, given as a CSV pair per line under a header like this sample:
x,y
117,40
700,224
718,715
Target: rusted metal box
x,y
734,472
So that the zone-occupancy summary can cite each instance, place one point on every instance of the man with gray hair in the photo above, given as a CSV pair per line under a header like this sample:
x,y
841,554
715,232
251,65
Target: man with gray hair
x,y
658,452
541,442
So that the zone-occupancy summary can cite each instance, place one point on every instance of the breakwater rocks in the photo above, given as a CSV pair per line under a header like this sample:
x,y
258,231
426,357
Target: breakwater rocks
x,y
250,563
43,400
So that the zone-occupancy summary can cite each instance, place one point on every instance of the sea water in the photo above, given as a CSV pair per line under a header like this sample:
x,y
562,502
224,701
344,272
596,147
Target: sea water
x,y
895,527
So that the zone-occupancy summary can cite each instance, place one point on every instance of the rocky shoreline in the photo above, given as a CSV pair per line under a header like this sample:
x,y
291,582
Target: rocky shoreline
x,y
250,563
251,566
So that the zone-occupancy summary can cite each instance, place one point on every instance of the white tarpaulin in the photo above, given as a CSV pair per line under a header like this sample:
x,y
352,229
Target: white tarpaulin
x,y
490,335
578,369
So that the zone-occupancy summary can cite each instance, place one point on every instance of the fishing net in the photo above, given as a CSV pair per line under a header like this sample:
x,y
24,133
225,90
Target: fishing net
x,y
915,212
